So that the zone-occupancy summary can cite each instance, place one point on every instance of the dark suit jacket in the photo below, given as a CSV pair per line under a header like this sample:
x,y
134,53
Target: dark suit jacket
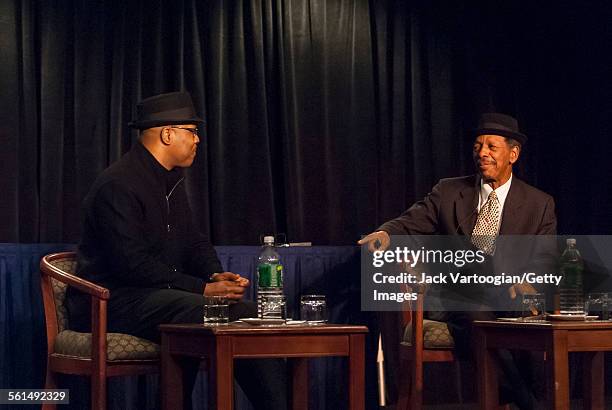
x,y
138,237
450,209
138,229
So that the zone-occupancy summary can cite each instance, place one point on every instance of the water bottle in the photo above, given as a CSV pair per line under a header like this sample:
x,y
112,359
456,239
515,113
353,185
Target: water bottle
x,y
269,280
571,299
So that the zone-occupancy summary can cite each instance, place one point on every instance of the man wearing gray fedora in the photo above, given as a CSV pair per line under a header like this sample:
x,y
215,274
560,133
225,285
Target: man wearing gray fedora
x,y
482,206
139,241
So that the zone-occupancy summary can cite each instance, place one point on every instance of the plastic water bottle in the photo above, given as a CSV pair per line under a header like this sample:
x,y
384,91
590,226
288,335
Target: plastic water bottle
x,y
269,279
571,298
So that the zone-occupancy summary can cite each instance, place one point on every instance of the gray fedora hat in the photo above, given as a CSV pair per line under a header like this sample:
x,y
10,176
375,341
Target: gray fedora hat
x,y
165,109
494,123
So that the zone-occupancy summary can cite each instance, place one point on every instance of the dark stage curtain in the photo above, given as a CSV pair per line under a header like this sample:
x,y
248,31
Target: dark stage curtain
x,y
323,118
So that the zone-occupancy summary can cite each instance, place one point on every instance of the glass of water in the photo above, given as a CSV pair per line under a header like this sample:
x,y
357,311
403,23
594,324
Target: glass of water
x,y
534,307
216,310
313,309
598,304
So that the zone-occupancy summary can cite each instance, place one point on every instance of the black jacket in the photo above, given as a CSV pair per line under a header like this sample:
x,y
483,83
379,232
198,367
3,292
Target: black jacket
x,y
138,229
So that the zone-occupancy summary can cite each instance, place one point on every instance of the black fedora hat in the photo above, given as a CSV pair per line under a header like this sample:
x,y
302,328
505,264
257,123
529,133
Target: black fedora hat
x,y
494,123
165,109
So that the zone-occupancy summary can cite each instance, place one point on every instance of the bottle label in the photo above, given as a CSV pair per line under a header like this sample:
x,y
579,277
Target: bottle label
x,y
270,275
572,275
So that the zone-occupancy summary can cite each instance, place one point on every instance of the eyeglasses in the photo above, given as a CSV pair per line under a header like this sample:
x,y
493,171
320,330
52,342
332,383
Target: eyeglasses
x,y
194,131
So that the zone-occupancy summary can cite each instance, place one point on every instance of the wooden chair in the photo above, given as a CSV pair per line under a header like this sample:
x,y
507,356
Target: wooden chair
x,y
97,354
424,341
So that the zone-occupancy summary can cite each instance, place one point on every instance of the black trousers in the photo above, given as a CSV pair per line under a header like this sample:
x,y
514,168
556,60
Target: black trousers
x,y
139,312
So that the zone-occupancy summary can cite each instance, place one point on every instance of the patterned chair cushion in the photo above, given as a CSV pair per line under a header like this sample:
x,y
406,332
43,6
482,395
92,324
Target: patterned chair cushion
x,y
59,291
119,346
435,335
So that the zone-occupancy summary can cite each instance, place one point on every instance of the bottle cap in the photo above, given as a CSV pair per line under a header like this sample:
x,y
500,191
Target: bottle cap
x,y
570,241
268,239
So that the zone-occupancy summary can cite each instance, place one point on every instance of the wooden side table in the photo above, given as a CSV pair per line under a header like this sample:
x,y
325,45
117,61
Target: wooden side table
x,y
557,339
222,344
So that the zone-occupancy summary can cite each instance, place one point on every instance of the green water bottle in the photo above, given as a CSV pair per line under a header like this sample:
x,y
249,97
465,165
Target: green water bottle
x,y
269,279
571,297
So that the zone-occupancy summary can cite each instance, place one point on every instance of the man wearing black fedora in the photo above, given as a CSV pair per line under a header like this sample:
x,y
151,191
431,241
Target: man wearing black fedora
x,y
482,206
138,240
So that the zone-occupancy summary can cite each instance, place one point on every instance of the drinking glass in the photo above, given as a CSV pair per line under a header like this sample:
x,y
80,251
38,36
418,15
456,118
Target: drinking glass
x,y
216,310
313,309
598,304
534,307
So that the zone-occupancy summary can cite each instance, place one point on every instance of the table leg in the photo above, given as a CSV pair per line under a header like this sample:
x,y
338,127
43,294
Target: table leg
x,y
558,371
592,377
171,378
299,369
487,372
357,372
221,375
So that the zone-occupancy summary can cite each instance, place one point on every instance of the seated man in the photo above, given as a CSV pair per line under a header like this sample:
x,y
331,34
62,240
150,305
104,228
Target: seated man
x,y
139,241
493,202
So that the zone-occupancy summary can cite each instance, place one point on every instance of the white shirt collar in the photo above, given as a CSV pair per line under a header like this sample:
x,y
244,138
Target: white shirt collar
x,y
501,192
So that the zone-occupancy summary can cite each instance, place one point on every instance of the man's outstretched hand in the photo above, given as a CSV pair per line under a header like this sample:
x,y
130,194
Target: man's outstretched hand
x,y
376,241
521,289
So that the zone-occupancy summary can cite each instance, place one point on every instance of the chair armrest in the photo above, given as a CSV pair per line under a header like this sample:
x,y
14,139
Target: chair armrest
x,y
99,297
72,280
412,316
413,308
98,334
